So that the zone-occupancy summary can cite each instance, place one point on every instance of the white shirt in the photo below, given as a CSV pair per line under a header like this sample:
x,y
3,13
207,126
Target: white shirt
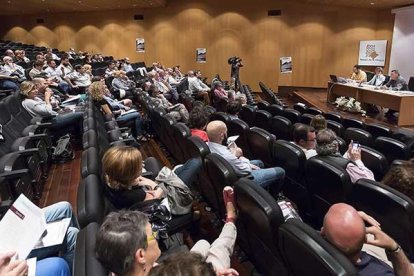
x,y
81,80
308,153
196,85
53,73
377,80
66,70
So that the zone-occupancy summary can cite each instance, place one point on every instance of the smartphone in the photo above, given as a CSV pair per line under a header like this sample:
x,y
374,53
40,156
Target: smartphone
x,y
355,145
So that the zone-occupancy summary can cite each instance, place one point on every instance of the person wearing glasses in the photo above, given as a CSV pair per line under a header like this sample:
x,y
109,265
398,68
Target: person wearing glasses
x,y
305,137
127,245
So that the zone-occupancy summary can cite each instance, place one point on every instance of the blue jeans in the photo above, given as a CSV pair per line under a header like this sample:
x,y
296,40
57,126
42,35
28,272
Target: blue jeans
x,y
53,266
268,178
55,212
136,118
8,85
64,87
188,172
67,120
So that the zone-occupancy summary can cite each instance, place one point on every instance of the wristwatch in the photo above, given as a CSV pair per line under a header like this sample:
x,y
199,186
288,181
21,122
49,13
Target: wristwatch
x,y
396,250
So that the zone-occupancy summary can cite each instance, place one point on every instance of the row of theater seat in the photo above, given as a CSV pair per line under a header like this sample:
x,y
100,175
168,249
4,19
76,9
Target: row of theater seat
x,y
100,133
279,121
258,229
24,150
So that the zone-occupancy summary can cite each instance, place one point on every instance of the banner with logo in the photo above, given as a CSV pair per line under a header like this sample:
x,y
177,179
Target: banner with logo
x,y
372,52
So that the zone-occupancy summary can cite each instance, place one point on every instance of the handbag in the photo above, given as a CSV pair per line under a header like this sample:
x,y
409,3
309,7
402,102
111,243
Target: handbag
x,y
157,214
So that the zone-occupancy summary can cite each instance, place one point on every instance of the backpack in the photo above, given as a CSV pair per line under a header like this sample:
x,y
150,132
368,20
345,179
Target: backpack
x,y
63,151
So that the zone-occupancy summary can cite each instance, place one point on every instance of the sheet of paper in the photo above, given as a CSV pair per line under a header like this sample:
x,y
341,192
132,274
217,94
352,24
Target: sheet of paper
x,y
31,263
21,227
128,112
232,139
74,98
56,232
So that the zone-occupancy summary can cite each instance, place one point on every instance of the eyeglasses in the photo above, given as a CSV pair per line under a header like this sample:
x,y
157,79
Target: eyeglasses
x,y
154,236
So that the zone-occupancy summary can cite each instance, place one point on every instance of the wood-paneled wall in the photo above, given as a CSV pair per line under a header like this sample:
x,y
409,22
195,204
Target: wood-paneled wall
x,y
320,39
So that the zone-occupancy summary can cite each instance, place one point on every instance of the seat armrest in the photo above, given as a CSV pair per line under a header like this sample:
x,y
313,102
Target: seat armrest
x,y
14,174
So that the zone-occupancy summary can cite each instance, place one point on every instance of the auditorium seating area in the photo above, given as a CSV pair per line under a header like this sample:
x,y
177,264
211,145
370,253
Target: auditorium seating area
x,y
264,127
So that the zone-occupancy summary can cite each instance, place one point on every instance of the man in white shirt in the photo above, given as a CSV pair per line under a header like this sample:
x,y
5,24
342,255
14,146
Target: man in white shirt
x,y
379,77
127,67
65,68
271,178
79,79
109,72
54,74
37,69
198,88
13,69
51,54
304,136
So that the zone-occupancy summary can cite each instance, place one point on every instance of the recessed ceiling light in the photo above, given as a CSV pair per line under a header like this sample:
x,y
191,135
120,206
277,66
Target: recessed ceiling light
x,y
372,3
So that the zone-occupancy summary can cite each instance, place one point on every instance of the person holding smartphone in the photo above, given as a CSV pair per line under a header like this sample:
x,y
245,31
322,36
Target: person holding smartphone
x,y
327,145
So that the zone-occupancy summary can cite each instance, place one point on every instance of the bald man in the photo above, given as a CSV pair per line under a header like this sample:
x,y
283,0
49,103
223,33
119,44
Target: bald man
x,y
268,178
344,228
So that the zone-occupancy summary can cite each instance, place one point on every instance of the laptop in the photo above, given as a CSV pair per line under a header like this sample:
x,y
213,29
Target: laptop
x,y
334,78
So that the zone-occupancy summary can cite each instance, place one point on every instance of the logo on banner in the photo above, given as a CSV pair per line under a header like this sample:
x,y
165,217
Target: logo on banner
x,y
370,51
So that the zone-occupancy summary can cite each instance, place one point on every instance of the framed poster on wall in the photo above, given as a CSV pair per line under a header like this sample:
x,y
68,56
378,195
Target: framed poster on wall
x,y
372,52
140,45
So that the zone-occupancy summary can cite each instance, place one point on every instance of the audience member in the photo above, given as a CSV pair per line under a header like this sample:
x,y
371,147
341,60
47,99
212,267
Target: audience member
x,y
37,107
54,74
50,55
127,67
305,137
138,251
124,116
401,178
13,69
233,109
345,229
56,212
268,178
219,93
178,111
110,70
37,70
327,147
318,122
52,266
21,56
379,77
122,82
41,85
358,74
122,166
177,72
7,81
65,67
197,87
79,79
198,122
396,82
10,53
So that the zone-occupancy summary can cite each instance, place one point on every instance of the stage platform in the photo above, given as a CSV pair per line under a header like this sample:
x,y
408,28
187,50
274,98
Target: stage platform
x,y
317,98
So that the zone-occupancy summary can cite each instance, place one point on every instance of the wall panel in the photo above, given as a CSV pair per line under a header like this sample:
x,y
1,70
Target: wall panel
x,y
320,39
